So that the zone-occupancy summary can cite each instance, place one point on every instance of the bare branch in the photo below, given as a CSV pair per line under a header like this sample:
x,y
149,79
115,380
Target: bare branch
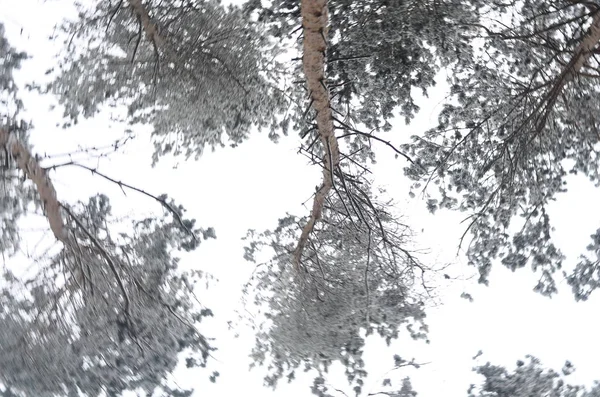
x,y
121,184
374,137
106,256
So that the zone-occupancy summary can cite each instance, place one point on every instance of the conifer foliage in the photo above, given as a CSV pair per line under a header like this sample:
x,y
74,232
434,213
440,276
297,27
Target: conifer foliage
x,y
521,118
107,312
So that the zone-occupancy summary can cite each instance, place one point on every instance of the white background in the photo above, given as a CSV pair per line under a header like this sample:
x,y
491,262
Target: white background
x,y
253,185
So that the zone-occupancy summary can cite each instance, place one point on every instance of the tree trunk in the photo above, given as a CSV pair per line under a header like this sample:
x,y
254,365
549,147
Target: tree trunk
x,y
149,27
38,175
314,22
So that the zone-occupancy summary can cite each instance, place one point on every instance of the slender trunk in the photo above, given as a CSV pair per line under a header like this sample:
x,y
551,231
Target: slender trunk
x,y
584,50
581,55
314,22
38,175
150,27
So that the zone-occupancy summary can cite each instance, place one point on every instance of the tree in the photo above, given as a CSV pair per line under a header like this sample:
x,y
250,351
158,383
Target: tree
x,y
353,270
159,59
353,279
360,66
529,378
204,75
193,70
103,312
15,197
520,119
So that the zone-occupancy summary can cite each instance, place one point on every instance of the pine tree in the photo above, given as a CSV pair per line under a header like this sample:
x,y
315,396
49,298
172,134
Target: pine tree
x,y
157,56
521,118
104,312
198,73
203,75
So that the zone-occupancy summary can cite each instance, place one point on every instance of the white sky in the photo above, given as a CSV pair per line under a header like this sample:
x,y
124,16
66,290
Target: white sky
x,y
255,184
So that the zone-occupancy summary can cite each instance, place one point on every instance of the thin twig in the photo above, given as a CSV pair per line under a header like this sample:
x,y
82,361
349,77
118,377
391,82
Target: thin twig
x,y
105,255
121,184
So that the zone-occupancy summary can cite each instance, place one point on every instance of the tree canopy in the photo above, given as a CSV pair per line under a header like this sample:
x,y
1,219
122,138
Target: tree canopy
x,y
107,310
521,119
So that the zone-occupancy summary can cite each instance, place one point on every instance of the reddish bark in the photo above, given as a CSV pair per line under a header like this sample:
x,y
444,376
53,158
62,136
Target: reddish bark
x,y
38,175
314,22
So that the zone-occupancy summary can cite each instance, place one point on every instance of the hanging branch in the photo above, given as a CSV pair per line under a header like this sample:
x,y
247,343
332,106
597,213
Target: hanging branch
x,y
107,257
38,175
314,23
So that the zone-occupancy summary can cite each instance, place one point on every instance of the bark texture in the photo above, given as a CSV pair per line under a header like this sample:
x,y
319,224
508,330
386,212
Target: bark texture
x,y
149,27
580,57
314,23
38,175
585,49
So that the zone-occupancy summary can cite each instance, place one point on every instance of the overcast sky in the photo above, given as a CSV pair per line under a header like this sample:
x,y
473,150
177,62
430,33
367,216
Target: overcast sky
x,y
255,184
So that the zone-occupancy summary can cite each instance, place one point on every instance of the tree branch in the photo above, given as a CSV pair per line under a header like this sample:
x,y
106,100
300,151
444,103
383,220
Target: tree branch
x,y
107,258
374,137
121,184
